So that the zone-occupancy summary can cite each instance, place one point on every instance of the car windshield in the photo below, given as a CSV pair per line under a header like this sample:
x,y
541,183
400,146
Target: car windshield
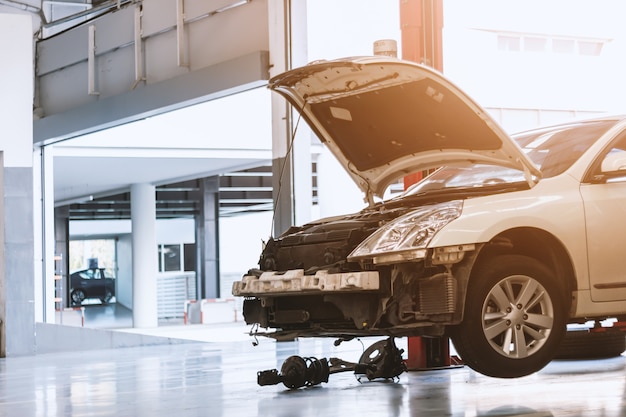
x,y
553,150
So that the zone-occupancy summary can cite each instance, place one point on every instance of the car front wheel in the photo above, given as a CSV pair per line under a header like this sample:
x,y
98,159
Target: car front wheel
x,y
514,318
78,296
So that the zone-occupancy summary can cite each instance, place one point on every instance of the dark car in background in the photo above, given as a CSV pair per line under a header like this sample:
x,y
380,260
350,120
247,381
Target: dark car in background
x,y
91,283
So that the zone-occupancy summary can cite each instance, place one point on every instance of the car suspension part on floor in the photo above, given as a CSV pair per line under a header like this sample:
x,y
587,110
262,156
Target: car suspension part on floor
x,y
383,359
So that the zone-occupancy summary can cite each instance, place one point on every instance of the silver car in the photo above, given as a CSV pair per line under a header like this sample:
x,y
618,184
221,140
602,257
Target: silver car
x,y
505,243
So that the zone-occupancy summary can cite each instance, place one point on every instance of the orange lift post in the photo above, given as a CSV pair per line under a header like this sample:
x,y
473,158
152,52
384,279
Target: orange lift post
x,y
421,24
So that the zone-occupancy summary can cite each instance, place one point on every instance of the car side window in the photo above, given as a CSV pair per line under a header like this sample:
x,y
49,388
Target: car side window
x,y
91,274
86,274
614,161
611,166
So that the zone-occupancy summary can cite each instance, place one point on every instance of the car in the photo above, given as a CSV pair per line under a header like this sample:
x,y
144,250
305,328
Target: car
x,y
91,283
505,242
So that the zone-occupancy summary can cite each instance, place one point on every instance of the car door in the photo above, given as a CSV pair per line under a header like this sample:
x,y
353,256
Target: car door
x,y
98,284
91,283
87,278
604,197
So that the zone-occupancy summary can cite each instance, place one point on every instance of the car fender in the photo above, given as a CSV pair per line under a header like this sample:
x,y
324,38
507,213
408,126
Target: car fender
x,y
553,206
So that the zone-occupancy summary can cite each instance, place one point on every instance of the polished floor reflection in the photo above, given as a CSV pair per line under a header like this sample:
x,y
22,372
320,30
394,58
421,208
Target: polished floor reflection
x,y
216,376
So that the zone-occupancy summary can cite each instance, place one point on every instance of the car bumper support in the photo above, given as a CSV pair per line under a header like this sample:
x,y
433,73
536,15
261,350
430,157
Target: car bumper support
x,y
295,281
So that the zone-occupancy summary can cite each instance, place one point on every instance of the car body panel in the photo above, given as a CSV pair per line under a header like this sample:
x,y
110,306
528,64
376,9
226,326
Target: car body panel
x,y
554,205
361,109
607,240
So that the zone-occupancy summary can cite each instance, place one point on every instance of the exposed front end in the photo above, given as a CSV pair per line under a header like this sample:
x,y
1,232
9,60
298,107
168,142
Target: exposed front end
x,y
367,274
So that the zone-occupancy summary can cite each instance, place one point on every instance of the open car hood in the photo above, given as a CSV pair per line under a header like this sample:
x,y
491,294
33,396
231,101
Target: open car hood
x,y
384,118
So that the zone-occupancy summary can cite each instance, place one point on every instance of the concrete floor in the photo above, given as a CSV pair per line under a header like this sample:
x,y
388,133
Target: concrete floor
x,y
214,374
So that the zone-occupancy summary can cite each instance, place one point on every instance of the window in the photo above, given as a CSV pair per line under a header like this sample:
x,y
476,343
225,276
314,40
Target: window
x,y
535,44
92,253
509,43
177,257
521,42
563,46
169,258
589,48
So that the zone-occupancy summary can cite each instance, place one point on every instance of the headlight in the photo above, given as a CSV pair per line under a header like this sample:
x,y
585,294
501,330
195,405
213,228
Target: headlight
x,y
407,236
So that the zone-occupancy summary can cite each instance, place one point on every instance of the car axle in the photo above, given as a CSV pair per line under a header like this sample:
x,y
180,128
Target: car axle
x,y
382,359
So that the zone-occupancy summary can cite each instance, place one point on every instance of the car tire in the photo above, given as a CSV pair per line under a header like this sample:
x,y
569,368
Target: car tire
x,y
107,297
78,296
585,344
515,318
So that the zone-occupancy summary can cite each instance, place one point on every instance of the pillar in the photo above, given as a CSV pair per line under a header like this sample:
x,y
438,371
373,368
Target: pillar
x,y
291,157
207,238
421,22
17,224
145,261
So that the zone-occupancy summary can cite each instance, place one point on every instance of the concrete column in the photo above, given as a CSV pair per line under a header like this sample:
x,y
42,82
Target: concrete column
x,y
17,268
145,262
291,161
207,239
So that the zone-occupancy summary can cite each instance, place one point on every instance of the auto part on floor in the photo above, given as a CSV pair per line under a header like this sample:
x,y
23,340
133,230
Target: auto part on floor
x,y
382,359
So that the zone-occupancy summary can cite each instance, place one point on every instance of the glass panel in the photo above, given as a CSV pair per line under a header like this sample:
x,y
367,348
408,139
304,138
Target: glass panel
x,y
171,257
190,256
563,46
533,44
589,48
92,253
509,43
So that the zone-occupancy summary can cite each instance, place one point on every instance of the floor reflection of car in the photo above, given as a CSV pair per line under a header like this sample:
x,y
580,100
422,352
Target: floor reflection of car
x,y
91,283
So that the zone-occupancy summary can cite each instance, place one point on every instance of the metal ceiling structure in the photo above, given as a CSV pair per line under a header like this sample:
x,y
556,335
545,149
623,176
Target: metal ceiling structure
x,y
245,191
109,64
103,64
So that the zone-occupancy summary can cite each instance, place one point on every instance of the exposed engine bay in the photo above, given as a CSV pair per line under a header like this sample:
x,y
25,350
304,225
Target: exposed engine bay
x,y
306,286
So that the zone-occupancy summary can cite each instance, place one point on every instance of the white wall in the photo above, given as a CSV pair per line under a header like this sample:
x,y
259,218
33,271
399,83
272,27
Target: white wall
x,y
167,231
17,90
349,27
241,241
537,80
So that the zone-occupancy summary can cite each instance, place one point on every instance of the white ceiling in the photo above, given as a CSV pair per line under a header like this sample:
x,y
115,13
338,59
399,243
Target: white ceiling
x,y
212,138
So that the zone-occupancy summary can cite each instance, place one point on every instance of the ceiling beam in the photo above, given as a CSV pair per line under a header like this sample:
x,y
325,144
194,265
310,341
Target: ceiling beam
x,y
209,83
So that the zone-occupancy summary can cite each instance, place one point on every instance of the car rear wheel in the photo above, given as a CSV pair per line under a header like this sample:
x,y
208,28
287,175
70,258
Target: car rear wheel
x,y
514,318
78,296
